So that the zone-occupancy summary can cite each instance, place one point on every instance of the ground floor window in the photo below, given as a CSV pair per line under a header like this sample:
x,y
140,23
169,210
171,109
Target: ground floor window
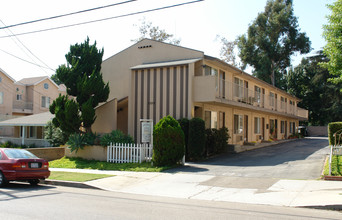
x,y
257,125
238,124
210,119
292,127
282,127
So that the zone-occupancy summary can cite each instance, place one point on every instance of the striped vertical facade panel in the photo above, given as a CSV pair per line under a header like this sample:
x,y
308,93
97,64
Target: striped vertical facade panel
x,y
159,92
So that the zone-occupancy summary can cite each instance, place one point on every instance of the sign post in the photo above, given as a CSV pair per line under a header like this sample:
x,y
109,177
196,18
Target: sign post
x,y
147,131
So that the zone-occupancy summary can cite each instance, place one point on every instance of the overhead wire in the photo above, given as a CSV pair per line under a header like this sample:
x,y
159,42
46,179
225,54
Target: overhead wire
x,y
68,14
105,19
25,51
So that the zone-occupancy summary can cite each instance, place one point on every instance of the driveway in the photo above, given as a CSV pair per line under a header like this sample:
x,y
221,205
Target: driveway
x,y
299,159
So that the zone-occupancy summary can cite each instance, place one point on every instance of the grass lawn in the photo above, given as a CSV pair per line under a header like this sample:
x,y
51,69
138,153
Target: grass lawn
x,y
78,177
336,166
79,163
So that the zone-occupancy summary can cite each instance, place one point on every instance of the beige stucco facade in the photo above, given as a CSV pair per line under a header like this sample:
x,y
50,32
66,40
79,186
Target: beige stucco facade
x,y
159,79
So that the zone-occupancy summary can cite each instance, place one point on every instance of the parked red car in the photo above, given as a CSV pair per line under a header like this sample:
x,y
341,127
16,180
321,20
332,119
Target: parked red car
x,y
21,165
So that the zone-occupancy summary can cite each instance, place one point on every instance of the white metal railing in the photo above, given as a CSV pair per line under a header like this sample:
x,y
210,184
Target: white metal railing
x,y
129,153
22,105
232,91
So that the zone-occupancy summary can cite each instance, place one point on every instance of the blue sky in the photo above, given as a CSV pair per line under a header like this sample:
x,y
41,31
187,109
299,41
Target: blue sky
x,y
197,25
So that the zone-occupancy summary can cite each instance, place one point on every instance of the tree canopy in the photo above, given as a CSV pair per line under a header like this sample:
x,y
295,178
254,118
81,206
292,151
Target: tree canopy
x,y
271,40
147,30
83,80
333,35
309,82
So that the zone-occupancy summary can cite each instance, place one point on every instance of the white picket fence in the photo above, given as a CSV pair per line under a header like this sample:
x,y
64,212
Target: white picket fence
x,y
129,153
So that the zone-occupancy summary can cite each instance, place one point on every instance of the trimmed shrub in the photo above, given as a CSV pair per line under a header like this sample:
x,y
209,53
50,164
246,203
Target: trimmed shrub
x,y
196,139
184,123
54,135
168,142
334,127
216,141
116,136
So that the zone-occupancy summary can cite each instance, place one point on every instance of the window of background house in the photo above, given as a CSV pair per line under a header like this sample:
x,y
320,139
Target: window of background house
x,y
282,127
19,97
45,102
238,124
0,79
1,98
46,86
257,125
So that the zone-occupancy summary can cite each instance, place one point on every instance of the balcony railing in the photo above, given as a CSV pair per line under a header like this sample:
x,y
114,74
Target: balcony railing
x,y
22,105
227,90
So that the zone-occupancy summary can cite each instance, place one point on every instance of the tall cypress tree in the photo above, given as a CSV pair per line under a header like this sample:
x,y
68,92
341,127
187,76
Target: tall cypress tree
x,y
83,79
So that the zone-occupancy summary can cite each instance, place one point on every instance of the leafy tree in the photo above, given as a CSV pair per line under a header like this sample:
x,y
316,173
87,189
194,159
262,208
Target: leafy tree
x,y
147,30
270,41
333,35
309,82
55,79
227,53
83,80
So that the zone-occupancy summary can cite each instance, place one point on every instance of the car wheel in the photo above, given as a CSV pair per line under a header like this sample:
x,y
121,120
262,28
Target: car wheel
x,y
3,180
33,182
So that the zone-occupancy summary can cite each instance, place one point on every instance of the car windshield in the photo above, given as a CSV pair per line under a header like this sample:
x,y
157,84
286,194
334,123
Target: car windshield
x,y
19,154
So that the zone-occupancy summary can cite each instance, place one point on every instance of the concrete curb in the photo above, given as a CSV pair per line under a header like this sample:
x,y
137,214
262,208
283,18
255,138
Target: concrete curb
x,y
68,184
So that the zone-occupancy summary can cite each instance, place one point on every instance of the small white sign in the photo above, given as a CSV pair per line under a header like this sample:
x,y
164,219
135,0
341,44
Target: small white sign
x,y
146,132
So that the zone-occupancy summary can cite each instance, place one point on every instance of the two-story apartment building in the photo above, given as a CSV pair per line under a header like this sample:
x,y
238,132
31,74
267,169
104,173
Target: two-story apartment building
x,y
151,79
25,97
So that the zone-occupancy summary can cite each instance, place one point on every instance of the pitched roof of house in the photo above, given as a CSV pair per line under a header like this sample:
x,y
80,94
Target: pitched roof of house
x,y
32,80
33,120
1,70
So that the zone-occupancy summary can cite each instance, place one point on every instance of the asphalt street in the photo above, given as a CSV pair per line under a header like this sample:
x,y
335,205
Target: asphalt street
x,y
301,159
21,201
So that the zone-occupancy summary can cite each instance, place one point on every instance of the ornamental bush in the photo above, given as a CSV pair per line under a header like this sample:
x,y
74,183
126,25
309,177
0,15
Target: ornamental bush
x,y
332,129
196,139
116,136
168,142
216,141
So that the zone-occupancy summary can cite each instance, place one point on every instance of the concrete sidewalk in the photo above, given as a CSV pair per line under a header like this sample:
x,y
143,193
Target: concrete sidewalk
x,y
281,192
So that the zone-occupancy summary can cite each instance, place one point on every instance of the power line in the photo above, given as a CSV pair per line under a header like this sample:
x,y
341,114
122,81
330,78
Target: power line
x,y
25,48
68,14
104,19
26,60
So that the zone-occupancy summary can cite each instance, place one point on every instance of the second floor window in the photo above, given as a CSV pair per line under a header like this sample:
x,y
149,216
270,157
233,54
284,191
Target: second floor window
x,y
238,87
45,102
257,95
210,71
271,99
19,97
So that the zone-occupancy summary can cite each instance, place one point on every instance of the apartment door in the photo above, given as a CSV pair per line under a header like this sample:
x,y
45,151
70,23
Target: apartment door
x,y
285,129
276,128
222,84
246,128
263,128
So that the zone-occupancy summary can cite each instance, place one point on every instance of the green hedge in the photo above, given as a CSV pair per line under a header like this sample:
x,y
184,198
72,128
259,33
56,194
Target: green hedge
x,y
168,142
216,141
332,129
196,141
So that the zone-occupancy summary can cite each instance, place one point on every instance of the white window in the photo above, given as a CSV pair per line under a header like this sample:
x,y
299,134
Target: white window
x,y
19,97
210,119
45,102
257,94
238,124
238,87
271,99
1,98
46,86
210,71
257,125
282,127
